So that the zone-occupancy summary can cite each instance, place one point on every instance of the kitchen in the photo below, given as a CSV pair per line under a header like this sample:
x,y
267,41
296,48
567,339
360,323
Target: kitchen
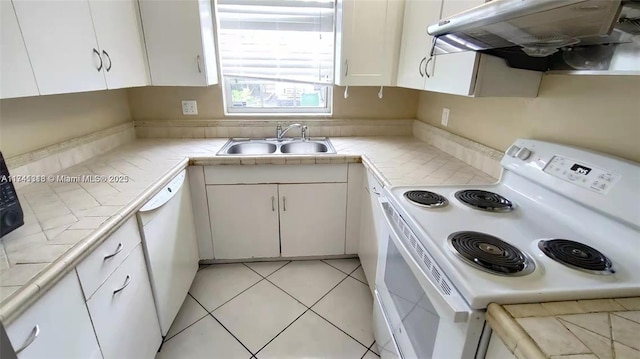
x,y
164,198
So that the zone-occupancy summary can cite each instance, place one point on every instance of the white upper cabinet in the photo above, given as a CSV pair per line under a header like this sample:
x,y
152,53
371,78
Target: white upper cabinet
x,y
17,76
464,73
62,45
81,45
120,42
416,43
180,42
368,42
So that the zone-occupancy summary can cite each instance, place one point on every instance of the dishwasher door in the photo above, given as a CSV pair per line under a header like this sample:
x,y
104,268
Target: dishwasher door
x,y
170,245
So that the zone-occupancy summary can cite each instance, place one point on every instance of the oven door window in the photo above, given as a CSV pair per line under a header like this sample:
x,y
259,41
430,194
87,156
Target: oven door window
x,y
418,316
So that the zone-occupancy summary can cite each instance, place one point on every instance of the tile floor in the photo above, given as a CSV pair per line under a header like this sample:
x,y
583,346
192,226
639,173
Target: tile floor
x,y
285,309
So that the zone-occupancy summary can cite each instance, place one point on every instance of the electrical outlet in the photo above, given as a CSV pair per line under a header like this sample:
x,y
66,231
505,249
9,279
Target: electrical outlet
x,y
190,107
445,117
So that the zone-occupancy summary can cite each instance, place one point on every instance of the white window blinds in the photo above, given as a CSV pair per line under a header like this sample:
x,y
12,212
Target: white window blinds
x,y
281,40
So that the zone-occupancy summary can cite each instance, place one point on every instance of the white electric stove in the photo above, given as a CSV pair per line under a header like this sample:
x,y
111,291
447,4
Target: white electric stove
x,y
561,224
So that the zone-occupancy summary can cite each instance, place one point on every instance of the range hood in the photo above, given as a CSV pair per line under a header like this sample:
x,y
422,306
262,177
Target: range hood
x,y
542,35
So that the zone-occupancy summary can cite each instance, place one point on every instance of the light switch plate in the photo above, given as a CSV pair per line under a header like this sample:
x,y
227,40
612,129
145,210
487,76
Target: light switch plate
x,y
445,117
189,107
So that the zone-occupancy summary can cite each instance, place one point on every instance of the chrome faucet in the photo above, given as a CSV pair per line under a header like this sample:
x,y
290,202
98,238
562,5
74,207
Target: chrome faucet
x,y
280,132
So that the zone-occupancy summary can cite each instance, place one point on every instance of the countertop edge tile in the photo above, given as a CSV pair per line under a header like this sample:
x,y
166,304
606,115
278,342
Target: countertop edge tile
x,y
523,346
372,151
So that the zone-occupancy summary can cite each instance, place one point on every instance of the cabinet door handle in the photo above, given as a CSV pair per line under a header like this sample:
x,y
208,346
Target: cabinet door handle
x,y
284,203
273,203
126,283
420,66
108,68
32,336
119,249
198,63
100,57
346,67
426,67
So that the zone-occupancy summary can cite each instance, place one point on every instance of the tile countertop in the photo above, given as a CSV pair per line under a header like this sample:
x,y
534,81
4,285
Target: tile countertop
x,y
65,221
583,329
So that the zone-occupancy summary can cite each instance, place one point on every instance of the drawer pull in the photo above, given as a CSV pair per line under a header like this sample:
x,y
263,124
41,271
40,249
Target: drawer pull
x,y
34,334
118,250
126,283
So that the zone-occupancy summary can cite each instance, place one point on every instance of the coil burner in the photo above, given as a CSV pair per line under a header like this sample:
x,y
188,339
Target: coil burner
x,y
484,200
576,255
426,199
490,254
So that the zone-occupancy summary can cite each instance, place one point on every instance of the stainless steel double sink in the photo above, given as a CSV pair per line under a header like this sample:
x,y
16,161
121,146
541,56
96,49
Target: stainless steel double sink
x,y
273,146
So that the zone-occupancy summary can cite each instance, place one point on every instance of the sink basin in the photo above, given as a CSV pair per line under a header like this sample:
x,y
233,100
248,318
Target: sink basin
x,y
271,146
251,148
303,147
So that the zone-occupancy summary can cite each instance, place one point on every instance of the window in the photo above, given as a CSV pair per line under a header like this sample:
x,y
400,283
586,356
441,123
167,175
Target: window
x,y
276,55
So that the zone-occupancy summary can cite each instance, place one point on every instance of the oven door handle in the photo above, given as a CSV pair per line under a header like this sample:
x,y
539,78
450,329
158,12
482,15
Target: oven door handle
x,y
454,305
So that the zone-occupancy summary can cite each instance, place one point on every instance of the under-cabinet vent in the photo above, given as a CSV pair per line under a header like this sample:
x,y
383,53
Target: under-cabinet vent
x,y
418,251
436,273
427,262
445,287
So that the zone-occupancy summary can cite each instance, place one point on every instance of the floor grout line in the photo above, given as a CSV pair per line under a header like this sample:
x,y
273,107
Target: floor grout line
x,y
285,328
233,335
307,308
340,329
265,277
166,339
334,267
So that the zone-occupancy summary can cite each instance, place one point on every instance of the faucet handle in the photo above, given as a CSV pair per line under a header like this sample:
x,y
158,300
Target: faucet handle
x,y
305,132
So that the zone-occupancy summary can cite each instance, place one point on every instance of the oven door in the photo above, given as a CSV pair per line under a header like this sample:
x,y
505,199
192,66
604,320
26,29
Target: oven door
x,y
424,320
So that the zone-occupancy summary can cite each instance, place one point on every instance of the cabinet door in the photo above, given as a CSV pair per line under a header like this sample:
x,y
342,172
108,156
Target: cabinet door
x,y
244,221
124,314
178,54
312,219
121,48
63,322
62,45
454,73
17,76
372,223
416,43
367,35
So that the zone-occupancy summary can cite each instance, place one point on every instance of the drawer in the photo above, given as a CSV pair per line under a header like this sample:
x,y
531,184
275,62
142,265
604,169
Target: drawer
x,y
232,174
124,313
97,267
62,324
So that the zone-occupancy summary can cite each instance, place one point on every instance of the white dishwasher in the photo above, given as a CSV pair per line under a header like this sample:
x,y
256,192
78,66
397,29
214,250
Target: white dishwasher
x,y
170,246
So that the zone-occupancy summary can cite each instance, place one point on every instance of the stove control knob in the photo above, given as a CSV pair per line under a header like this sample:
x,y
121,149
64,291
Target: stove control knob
x,y
513,150
523,153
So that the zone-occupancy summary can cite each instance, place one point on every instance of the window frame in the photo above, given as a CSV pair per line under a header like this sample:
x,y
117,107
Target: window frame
x,y
231,111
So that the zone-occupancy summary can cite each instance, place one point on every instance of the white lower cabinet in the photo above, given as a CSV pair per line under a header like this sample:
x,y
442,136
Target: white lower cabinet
x,y
313,219
273,211
56,326
370,228
123,312
271,220
244,221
